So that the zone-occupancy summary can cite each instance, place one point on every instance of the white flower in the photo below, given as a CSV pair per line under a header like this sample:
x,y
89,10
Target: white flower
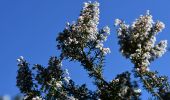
x,y
70,40
162,78
21,57
106,29
147,69
18,60
124,90
66,72
71,98
37,98
86,4
159,26
58,84
137,90
153,40
67,25
99,45
160,48
117,22
60,64
25,97
53,79
137,69
76,42
117,80
67,80
146,55
106,50
147,12
96,4
103,37
145,63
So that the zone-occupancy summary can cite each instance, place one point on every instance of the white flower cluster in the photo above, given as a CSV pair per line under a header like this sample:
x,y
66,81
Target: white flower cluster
x,y
59,83
20,61
86,25
70,41
143,24
89,20
117,22
66,77
137,42
159,26
100,46
159,49
123,92
84,31
103,37
105,33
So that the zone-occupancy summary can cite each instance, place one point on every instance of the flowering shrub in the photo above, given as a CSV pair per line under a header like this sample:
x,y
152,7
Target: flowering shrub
x,y
137,42
82,41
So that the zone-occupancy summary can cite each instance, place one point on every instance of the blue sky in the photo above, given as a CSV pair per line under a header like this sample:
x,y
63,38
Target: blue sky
x,y
29,28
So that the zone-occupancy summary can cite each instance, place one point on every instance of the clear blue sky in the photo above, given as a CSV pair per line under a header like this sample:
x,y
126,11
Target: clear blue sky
x,y
29,28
